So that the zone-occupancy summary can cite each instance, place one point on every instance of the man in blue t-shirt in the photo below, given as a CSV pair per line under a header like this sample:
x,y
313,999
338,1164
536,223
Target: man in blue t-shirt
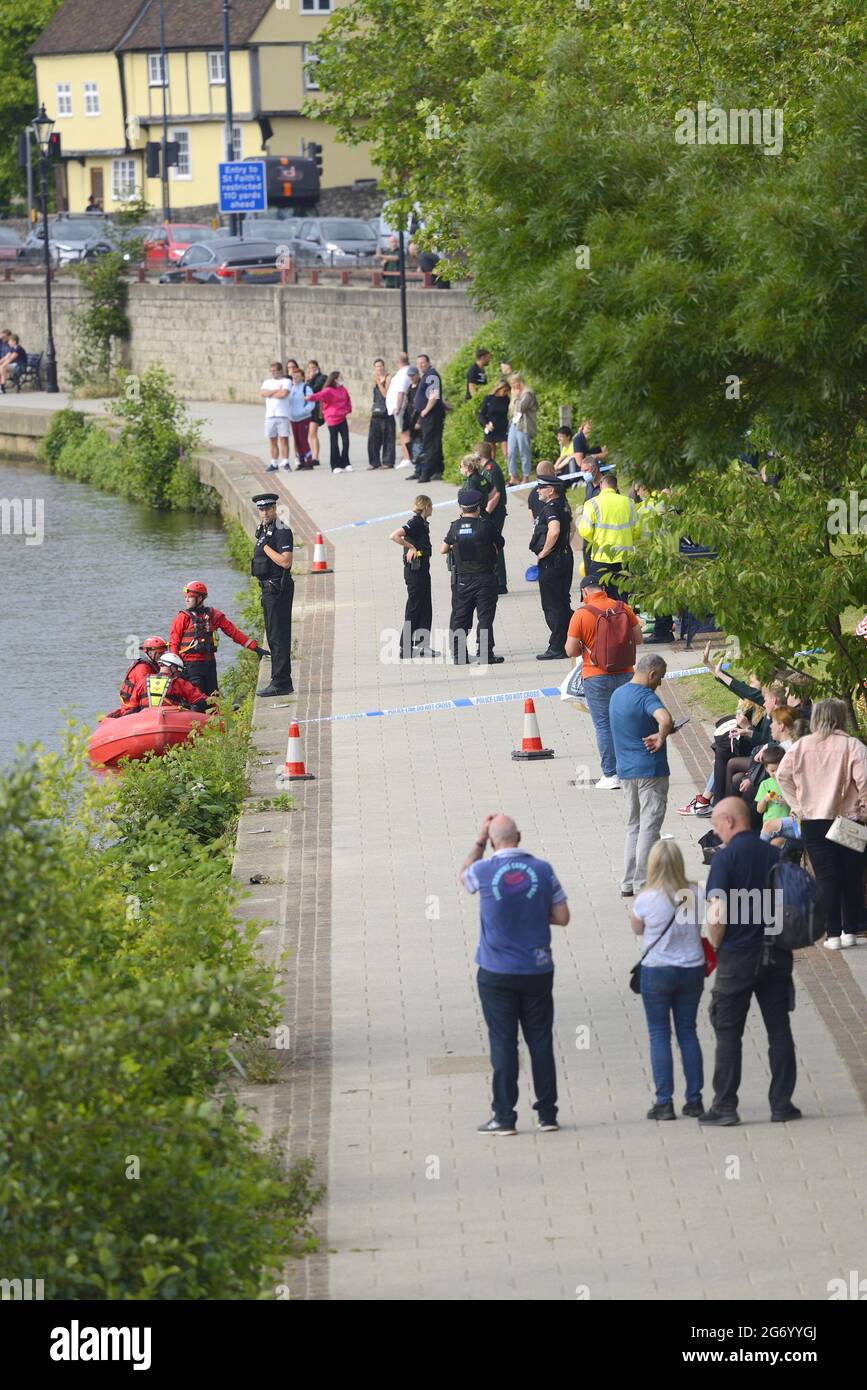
x,y
519,898
640,724
742,925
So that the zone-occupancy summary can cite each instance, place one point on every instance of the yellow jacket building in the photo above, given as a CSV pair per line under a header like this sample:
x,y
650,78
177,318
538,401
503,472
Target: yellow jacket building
x,y
100,73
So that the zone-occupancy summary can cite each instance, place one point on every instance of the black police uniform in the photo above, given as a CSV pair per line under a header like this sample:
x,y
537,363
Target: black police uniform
x,y
555,571
474,542
418,617
278,592
432,464
493,475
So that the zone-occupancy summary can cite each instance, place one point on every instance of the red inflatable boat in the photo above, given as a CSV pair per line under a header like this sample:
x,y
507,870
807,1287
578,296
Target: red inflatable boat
x,y
135,735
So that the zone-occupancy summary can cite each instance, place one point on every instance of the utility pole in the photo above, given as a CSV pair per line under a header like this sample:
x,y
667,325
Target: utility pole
x,y
230,144
404,336
43,126
167,211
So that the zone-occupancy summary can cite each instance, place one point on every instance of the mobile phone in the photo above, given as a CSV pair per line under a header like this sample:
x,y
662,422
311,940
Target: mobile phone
x,y
680,723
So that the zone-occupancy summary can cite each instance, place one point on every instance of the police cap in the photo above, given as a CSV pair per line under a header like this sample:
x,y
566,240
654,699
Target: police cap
x,y
556,483
469,497
266,499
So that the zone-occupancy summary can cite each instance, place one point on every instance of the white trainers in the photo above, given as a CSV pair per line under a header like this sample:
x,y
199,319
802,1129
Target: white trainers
x,y
832,943
404,463
608,784
348,468
848,939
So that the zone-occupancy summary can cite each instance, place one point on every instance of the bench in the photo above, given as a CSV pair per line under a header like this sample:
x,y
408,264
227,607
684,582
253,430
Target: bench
x,y
32,372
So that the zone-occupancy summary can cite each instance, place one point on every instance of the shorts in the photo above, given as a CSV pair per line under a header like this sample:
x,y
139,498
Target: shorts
x,y
277,427
789,829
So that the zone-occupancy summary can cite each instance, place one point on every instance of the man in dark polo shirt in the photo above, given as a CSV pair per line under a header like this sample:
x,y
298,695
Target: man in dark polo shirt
x,y
741,925
519,898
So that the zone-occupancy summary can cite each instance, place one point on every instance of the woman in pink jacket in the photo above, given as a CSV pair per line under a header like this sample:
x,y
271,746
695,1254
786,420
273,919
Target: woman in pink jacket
x,y
824,775
336,406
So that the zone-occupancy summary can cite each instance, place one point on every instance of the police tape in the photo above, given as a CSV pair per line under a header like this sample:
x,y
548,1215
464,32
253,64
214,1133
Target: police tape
x,y
549,692
396,516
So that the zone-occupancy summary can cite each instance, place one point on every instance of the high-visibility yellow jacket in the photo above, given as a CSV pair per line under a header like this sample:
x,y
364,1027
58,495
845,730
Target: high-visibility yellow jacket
x,y
609,524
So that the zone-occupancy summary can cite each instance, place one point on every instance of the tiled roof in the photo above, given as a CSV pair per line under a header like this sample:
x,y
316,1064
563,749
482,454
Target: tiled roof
x,y
100,26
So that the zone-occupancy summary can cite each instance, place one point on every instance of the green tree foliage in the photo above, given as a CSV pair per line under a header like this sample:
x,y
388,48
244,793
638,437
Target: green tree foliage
x,y
102,321
21,23
127,1170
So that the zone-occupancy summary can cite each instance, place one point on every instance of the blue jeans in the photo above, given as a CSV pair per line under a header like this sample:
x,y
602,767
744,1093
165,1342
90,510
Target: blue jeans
x,y
598,691
519,443
673,990
528,1000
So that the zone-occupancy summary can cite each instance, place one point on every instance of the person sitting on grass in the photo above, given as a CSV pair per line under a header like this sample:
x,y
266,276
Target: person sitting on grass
x,y
778,823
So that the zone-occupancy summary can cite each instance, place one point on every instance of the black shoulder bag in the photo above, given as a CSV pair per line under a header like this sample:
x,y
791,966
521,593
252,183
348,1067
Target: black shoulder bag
x,y
635,972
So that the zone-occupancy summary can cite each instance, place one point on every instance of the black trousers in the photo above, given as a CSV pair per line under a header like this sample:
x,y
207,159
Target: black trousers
x,y
839,875
507,1002
418,615
555,583
339,436
203,675
502,582
277,608
473,593
380,441
432,462
765,972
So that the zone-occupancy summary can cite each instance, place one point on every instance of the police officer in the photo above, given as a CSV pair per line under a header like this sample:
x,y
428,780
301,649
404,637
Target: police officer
x,y
494,503
414,537
551,543
272,566
472,542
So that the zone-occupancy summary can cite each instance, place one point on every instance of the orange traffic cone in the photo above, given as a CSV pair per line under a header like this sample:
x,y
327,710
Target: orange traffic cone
x,y
531,744
320,564
293,770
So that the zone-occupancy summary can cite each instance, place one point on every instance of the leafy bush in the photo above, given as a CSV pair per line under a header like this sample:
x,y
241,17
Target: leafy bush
x,y
127,1170
66,425
462,430
102,320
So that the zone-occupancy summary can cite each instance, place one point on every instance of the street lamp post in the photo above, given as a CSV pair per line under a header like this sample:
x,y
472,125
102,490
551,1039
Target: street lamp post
x,y
227,65
43,126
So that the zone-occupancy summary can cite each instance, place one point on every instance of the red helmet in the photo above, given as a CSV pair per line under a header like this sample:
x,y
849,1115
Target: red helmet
x,y
153,644
197,587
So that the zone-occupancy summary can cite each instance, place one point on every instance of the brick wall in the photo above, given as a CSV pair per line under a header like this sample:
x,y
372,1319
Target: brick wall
x,y
217,341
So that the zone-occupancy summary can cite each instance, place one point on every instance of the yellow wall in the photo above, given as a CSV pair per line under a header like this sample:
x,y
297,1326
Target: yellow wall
x,y
78,131
285,20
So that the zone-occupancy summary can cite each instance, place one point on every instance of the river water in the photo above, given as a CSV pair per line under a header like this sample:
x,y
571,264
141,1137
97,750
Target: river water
x,y
86,573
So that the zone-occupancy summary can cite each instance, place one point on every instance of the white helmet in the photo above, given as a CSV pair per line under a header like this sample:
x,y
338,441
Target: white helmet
x,y
170,659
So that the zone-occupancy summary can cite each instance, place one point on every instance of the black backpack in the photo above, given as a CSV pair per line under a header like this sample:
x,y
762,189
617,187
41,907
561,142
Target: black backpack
x,y
802,920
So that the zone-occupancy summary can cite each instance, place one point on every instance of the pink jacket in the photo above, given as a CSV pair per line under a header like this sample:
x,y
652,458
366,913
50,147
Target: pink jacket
x,y
336,404
822,778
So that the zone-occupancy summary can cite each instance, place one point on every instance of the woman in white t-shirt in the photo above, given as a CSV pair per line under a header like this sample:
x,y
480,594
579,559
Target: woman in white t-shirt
x,y
672,975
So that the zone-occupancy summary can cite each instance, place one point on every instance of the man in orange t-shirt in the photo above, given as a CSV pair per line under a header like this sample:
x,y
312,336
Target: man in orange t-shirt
x,y
599,685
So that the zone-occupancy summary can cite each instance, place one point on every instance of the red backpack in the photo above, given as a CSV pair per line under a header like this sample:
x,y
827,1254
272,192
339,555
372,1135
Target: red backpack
x,y
614,640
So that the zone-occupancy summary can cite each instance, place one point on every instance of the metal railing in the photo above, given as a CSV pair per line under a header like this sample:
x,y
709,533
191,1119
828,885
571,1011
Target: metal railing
x,y
289,274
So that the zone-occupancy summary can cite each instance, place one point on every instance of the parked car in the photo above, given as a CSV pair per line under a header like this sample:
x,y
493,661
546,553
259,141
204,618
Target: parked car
x,y
387,225
71,239
215,262
180,235
11,244
278,229
337,241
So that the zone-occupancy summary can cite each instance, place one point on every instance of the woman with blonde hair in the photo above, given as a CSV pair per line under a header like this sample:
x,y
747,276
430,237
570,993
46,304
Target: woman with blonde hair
x,y
523,410
823,776
667,914
414,537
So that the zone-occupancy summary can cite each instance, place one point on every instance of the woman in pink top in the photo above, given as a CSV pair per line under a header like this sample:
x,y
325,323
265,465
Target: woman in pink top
x,y
336,406
824,775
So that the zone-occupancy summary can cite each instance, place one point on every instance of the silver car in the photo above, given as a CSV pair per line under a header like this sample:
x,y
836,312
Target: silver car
x,y
71,239
334,241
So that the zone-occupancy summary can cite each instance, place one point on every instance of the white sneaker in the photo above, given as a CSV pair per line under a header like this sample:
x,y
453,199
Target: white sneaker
x,y
404,463
848,939
832,943
608,784
348,468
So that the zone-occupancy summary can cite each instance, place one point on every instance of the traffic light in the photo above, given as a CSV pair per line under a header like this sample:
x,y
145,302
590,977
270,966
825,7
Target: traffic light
x,y
54,150
173,154
315,153
152,159
23,149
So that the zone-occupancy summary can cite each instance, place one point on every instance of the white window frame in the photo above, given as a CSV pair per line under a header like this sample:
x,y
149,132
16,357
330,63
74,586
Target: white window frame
x,y
315,7
131,189
237,142
308,55
156,70
175,132
63,93
219,81
91,94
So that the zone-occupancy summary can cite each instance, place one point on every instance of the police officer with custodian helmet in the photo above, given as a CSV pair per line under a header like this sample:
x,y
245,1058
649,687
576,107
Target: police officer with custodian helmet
x,y
472,542
272,566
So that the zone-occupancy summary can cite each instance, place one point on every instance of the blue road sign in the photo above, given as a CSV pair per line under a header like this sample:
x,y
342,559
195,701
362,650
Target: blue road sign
x,y
243,187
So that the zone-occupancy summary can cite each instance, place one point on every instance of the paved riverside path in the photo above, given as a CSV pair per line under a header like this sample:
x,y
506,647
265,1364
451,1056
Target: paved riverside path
x,y
613,1207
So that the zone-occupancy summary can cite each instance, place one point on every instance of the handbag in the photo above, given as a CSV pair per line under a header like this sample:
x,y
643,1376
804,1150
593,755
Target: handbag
x,y
709,956
635,972
849,833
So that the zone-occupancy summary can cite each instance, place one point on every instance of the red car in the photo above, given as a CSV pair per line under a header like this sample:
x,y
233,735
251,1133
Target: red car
x,y
169,241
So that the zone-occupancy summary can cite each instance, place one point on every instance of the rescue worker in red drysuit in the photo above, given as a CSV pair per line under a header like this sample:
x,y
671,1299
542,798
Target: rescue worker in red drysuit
x,y
194,635
166,687
147,664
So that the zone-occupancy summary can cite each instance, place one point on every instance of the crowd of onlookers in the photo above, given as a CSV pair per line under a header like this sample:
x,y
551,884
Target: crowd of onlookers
x,y
13,359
